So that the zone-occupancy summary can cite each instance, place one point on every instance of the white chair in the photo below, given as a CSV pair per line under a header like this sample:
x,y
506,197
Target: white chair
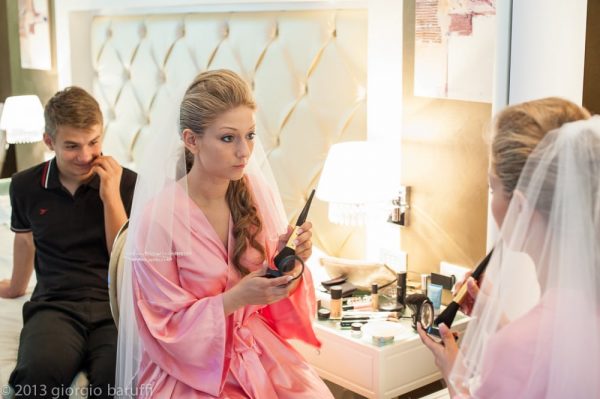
x,y
115,271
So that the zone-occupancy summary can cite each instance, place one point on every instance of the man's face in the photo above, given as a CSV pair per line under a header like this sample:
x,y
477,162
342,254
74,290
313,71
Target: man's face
x,y
75,150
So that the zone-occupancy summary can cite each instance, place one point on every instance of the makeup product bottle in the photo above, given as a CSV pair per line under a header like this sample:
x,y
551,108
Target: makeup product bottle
x,y
285,259
401,289
434,292
374,297
336,302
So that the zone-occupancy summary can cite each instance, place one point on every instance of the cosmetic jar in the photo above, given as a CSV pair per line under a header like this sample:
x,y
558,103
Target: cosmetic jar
x,y
382,340
356,330
382,332
323,314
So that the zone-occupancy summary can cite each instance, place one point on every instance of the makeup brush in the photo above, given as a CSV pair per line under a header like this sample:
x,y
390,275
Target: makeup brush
x,y
447,316
285,259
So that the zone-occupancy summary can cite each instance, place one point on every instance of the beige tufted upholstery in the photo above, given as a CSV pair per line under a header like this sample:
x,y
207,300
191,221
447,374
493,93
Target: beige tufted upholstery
x,y
307,68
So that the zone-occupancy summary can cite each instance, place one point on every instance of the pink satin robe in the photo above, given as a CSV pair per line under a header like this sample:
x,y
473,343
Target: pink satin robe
x,y
508,364
191,350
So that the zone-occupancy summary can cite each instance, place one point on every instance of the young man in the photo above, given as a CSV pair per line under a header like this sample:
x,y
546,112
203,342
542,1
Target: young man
x,y
66,213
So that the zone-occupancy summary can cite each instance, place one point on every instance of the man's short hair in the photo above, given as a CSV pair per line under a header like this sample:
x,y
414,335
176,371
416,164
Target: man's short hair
x,y
72,107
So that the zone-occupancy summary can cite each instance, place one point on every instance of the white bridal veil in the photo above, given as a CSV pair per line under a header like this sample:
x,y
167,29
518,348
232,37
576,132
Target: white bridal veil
x,y
159,226
539,301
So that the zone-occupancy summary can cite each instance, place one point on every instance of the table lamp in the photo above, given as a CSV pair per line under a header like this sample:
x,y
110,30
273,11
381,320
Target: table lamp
x,y
353,179
22,119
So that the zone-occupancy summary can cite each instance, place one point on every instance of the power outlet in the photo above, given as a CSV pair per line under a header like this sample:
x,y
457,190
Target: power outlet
x,y
449,269
394,258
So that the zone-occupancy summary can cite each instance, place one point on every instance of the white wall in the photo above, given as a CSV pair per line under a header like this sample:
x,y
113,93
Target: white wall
x,y
384,108
547,49
540,52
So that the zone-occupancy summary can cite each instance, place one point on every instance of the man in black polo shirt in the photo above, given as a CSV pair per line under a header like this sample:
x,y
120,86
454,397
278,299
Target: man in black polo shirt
x,y
66,213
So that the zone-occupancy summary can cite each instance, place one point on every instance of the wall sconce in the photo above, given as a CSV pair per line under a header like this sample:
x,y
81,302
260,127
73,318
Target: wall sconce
x,y
22,119
354,178
401,205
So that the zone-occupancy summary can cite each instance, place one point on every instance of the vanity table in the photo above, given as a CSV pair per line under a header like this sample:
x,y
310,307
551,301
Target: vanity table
x,y
370,370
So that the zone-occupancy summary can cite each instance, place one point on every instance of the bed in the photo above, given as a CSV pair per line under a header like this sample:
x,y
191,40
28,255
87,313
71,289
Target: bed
x,y
9,308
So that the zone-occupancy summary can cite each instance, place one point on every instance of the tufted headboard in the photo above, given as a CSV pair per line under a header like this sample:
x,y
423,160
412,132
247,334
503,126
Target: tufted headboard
x,y
307,69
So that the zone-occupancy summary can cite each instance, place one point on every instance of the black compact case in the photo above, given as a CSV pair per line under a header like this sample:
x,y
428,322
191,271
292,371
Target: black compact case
x,y
347,287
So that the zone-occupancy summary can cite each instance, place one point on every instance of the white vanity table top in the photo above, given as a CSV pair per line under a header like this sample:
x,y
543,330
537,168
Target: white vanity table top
x,y
368,369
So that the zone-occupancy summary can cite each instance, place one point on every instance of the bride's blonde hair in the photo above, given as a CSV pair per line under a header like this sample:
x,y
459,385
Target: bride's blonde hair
x,y
519,129
211,94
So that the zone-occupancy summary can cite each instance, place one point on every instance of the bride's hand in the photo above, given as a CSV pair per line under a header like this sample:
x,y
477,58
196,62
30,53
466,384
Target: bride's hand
x,y
256,289
302,241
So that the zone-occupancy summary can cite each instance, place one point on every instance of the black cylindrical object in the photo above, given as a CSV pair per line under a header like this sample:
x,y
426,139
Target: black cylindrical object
x,y
401,288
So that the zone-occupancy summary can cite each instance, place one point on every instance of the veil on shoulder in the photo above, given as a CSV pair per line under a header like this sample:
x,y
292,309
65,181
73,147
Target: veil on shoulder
x,y
538,308
160,221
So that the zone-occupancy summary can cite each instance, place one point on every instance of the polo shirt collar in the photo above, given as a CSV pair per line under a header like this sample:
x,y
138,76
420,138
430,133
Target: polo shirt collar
x,y
51,180
50,175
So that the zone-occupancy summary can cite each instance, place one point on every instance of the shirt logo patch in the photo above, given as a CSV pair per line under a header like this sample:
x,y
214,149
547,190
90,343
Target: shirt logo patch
x,y
43,211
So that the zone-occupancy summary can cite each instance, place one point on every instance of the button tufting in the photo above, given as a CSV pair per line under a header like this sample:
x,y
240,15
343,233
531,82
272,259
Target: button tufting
x,y
361,93
129,55
181,31
162,76
303,86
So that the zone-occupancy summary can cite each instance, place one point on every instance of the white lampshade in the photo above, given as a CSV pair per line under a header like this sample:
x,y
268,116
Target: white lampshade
x,y
355,174
22,119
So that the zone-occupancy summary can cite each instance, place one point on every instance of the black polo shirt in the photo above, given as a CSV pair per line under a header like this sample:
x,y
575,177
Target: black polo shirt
x,y
71,258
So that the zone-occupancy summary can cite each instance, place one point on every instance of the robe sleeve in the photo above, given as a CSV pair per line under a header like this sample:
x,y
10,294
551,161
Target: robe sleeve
x,y
292,317
184,335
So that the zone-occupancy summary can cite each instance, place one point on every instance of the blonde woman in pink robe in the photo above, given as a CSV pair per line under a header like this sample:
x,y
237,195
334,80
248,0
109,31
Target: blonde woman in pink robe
x,y
210,323
535,321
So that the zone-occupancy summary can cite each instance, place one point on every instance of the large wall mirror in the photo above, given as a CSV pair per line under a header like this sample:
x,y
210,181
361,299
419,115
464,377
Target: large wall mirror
x,y
345,71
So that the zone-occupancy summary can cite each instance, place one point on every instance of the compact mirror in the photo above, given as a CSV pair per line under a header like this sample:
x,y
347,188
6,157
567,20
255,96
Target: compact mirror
x,y
286,266
421,308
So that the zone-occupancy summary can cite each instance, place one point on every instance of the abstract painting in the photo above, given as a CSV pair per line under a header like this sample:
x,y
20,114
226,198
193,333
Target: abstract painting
x,y
454,49
34,34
